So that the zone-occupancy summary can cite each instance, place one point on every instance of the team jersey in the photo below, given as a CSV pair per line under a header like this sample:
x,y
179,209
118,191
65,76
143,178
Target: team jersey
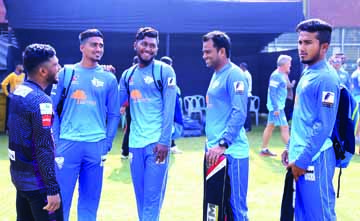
x,y
226,110
31,145
91,110
14,80
315,109
277,91
152,111
355,81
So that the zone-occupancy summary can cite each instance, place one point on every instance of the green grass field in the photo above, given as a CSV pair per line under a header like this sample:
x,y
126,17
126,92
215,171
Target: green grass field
x,y
183,199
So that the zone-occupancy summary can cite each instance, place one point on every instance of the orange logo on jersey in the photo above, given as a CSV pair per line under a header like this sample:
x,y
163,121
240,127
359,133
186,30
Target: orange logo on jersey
x,y
79,95
135,95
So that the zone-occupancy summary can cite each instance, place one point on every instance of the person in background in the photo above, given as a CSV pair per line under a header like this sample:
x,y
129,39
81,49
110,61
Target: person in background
x,y
177,127
289,103
336,62
276,97
13,79
126,110
244,67
355,91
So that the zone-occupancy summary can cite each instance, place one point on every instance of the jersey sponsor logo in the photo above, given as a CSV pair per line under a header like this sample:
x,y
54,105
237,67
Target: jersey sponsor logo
x,y
148,80
171,81
81,98
46,112
328,98
60,162
212,212
239,87
46,108
11,154
22,90
97,83
79,95
136,95
274,83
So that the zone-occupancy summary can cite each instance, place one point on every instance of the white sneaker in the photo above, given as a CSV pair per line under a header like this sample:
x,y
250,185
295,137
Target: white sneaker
x,y
124,157
175,150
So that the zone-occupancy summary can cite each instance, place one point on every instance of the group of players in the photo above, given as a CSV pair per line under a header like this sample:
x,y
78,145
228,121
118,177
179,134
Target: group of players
x,y
45,174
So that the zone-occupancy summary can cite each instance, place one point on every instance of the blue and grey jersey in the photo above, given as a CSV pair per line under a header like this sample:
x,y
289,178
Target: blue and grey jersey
x,y
277,91
355,81
31,144
91,109
152,110
226,110
315,109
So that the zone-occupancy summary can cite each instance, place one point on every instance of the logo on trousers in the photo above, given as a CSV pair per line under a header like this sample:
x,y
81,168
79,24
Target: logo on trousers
x,y
212,212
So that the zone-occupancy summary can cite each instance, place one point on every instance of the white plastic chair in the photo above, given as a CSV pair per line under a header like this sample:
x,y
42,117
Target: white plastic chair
x,y
192,105
200,102
254,107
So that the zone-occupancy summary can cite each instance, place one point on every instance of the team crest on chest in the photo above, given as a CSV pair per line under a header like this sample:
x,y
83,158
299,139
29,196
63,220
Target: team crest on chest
x,y
97,83
148,80
214,84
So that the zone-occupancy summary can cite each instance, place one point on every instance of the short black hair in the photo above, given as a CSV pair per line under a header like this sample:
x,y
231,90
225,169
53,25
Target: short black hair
x,y
88,33
147,32
166,60
220,39
322,28
36,54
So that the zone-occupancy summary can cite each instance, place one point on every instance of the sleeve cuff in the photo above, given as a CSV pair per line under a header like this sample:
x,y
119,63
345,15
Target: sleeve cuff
x,y
53,190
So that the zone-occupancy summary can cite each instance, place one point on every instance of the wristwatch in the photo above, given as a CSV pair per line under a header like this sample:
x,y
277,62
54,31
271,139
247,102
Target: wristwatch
x,y
223,143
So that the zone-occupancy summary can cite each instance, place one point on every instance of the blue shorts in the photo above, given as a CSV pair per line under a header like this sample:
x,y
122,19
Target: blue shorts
x,y
279,120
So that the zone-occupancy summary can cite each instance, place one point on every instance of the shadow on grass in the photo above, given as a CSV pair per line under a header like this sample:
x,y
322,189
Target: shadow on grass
x,y
121,174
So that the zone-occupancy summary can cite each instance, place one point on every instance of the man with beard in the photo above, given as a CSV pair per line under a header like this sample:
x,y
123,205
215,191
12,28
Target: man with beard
x,y
87,125
31,145
151,87
276,98
226,112
311,156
